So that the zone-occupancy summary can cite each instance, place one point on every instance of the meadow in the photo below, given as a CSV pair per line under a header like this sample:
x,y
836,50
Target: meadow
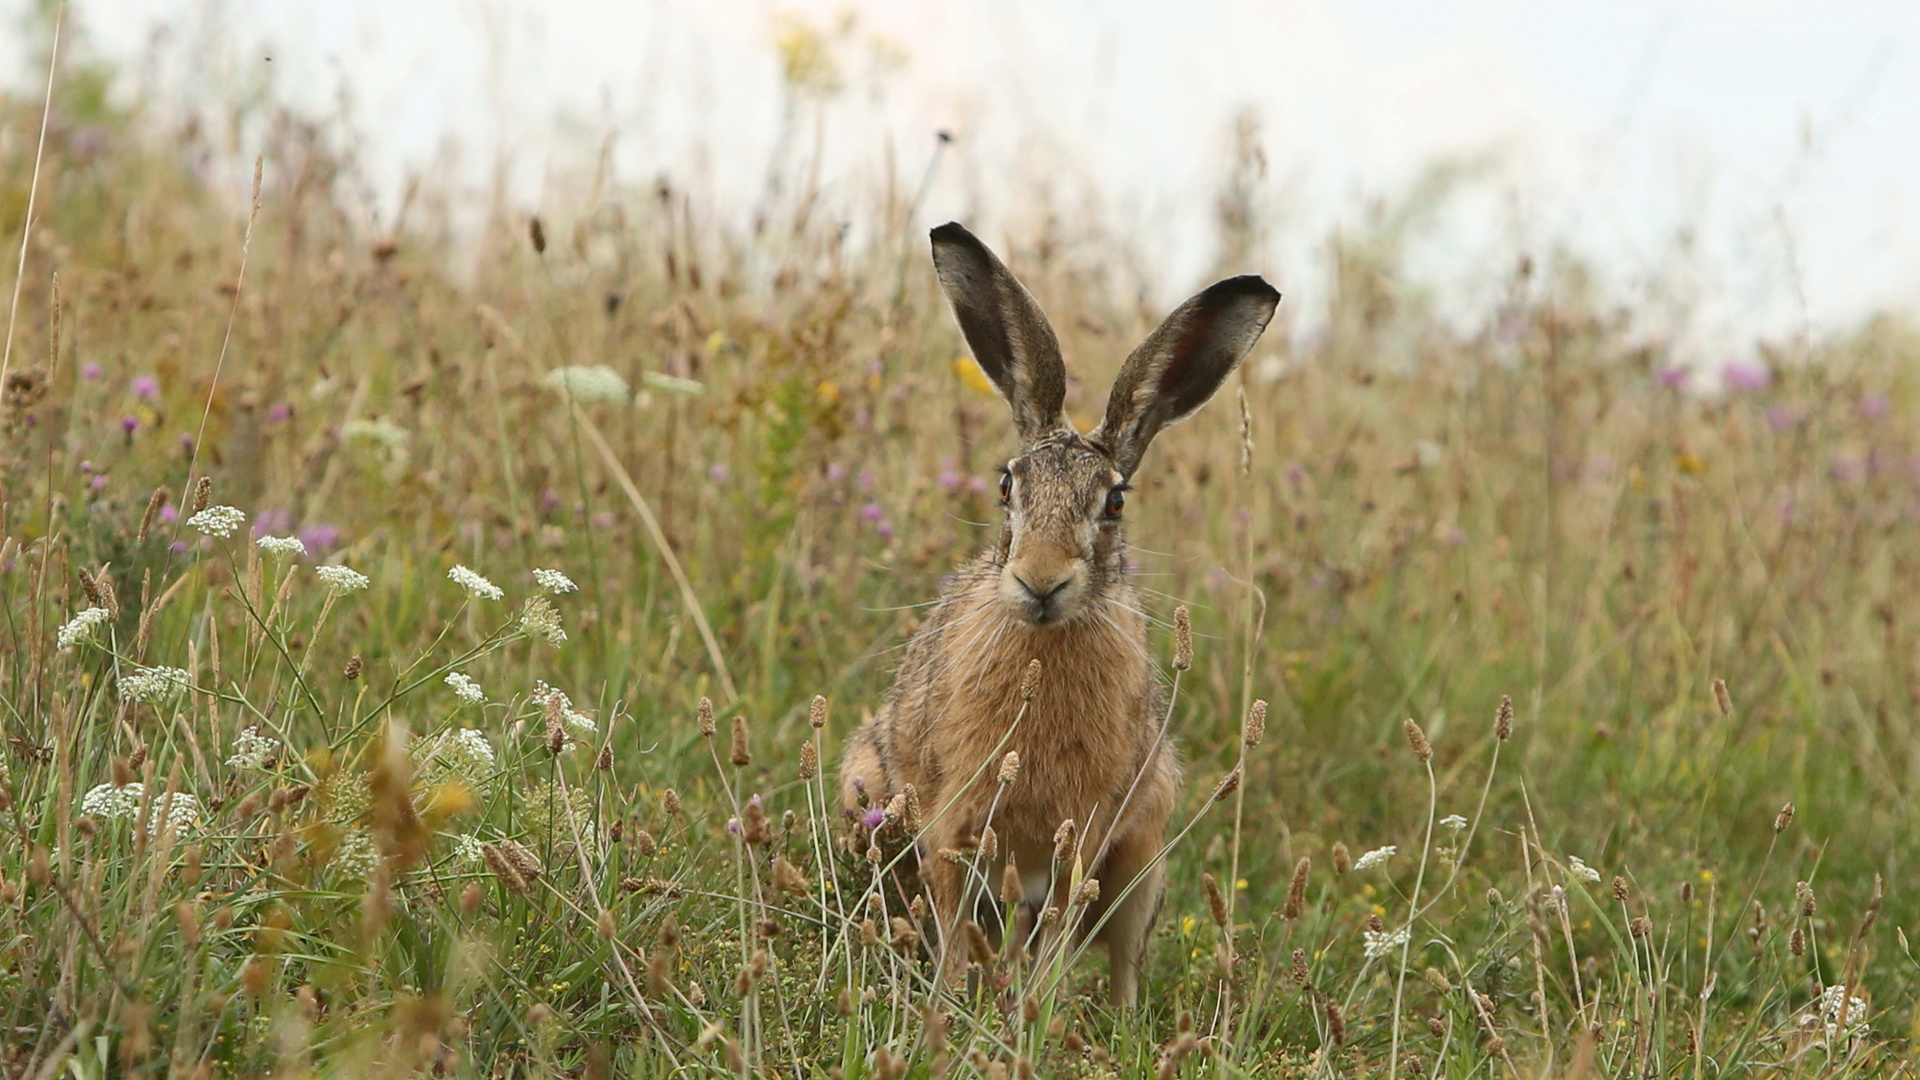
x,y
363,588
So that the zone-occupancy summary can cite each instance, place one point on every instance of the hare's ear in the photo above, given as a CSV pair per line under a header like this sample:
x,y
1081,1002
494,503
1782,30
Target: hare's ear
x,y
1006,330
1182,363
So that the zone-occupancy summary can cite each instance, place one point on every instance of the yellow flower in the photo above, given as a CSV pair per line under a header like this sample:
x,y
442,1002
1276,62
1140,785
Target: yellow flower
x,y
970,373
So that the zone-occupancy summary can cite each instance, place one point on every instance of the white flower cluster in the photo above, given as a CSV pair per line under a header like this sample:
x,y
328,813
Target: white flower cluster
x,y
540,619
1826,1013
155,684
579,721
1375,857
1581,870
178,811
554,581
80,628
252,750
589,383
465,688
218,521
340,580
477,587
1378,943
355,856
1454,822
281,546
466,848
461,754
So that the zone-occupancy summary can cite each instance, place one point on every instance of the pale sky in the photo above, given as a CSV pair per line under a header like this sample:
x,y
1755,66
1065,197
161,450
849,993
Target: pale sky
x,y
1784,137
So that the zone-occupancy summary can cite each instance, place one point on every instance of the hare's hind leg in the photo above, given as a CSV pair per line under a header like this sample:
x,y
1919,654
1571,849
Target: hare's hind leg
x,y
1130,917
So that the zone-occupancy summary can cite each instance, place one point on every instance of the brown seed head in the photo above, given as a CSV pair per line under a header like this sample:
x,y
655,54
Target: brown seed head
x,y
1375,923
604,762
537,235
504,869
1228,785
910,816
645,844
154,502
1255,727
1438,980
1436,1027
739,755
354,667
1298,973
1063,838
989,844
809,761
1503,719
1342,860
1010,767
1336,1024
1030,681
1803,895
817,713
788,878
1783,819
1216,902
1640,927
1182,639
1422,749
1721,698
202,495
1797,942
703,714
1012,889
1620,888
1297,890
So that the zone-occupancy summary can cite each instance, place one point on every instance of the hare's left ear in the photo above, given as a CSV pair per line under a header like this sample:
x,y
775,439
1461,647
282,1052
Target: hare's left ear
x,y
1006,330
1182,363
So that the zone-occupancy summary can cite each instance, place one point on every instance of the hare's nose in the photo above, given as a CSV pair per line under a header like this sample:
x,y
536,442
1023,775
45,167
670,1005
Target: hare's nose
x,y
1044,592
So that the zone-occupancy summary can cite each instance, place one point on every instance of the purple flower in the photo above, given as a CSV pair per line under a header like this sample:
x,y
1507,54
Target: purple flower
x,y
1296,476
146,387
274,521
280,413
1873,406
169,513
836,472
977,485
186,444
872,512
717,473
1673,378
129,424
99,482
320,538
602,520
866,480
1455,537
91,371
948,479
873,818
86,468
549,501
885,528
1781,418
733,826
1745,377
178,547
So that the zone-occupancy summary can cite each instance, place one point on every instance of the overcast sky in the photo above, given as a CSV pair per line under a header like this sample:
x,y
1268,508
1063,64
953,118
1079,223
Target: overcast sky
x,y
1783,136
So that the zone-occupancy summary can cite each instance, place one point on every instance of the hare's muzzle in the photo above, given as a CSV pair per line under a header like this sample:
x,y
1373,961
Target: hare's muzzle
x,y
1044,594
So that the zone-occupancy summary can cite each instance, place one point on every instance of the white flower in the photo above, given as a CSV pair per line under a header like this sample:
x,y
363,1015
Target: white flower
x,y
156,684
554,581
466,848
218,520
1378,943
478,587
252,750
1827,1012
540,620
340,580
80,628
1581,870
465,688
355,856
282,546
1375,857
461,754
579,721
178,811
585,383
1454,822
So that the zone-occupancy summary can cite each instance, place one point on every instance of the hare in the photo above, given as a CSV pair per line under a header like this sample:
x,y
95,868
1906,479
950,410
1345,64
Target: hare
x,y
1053,589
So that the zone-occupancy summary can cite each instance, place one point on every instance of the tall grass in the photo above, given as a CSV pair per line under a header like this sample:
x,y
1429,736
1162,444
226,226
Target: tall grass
x,y
343,859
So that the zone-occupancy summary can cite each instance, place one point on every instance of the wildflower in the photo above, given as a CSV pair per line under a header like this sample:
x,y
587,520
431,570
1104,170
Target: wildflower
x,y
219,521
177,811
1454,822
1377,943
252,750
554,581
466,848
460,754
80,628
355,856
112,801
146,387
1581,870
340,580
465,688
477,587
1375,857
153,685
588,383
579,721
281,546
539,619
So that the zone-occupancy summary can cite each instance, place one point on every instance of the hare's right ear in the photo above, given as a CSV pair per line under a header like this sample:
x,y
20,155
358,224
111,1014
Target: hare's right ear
x,y
1007,331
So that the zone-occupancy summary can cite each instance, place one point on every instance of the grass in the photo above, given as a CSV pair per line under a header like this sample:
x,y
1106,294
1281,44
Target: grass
x,y
1428,521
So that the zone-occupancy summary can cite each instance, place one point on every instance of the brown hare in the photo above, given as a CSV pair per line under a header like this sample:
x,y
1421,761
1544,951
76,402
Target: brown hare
x,y
1053,589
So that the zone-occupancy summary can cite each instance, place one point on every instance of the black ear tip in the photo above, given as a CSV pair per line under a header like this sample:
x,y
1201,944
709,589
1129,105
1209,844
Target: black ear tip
x,y
951,233
1252,286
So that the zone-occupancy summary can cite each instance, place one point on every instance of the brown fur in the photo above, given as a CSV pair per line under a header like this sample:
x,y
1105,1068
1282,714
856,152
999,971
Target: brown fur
x,y
1054,589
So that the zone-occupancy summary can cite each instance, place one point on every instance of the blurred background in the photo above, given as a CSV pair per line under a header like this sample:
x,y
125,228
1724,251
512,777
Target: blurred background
x,y
1751,164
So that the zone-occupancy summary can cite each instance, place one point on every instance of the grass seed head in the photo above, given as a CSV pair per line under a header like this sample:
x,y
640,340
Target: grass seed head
x,y
202,495
1255,727
1721,698
1417,739
1009,768
1797,942
1503,719
670,801
1012,889
1229,784
1030,680
1783,819
809,760
817,713
1063,838
703,714
989,844
1803,895
1216,901
1297,890
1620,888
1336,1024
1182,639
1342,860
355,665
739,755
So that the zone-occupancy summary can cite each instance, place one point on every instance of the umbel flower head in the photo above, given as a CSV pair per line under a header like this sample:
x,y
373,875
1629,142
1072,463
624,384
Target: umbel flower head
x,y
541,620
252,750
589,383
341,579
477,587
465,688
461,754
281,546
1375,857
154,685
554,581
81,627
177,810
218,521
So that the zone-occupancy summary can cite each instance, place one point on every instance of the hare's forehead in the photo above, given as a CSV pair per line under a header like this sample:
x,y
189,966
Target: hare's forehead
x,y
1073,465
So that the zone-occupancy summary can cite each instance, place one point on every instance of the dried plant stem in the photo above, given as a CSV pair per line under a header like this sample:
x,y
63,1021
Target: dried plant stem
x,y
640,506
33,191
1413,905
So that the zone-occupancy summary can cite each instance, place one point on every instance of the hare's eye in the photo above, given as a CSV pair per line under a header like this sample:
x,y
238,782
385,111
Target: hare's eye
x,y
1116,501
1006,486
